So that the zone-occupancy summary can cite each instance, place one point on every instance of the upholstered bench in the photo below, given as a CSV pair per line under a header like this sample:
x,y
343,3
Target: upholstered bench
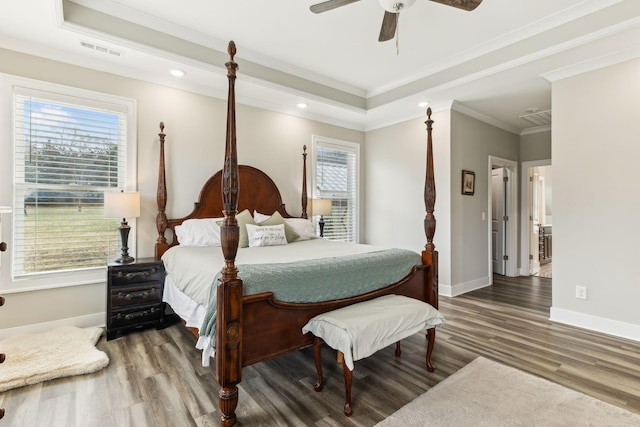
x,y
359,330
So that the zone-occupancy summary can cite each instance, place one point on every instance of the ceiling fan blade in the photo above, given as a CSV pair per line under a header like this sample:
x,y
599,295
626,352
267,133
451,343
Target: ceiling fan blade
x,y
467,5
329,5
389,24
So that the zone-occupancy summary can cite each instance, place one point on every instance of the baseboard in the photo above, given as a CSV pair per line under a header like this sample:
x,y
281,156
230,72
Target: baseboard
x,y
597,324
463,288
90,320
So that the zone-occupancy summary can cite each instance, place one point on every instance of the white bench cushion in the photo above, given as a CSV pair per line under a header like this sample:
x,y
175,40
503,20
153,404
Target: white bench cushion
x,y
361,329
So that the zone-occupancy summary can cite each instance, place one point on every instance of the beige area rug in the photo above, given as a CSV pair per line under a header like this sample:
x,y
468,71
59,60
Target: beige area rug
x,y
61,352
486,393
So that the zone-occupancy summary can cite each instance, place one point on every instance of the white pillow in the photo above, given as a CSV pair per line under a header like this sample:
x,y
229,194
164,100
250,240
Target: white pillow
x,y
303,227
199,232
267,235
260,217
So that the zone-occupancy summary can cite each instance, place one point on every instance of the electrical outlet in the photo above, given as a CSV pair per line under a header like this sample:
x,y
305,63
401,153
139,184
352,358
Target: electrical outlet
x,y
581,292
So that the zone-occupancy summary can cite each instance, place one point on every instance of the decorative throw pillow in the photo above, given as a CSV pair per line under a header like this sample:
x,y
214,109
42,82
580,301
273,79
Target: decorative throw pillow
x,y
303,227
243,219
277,219
199,232
260,217
266,235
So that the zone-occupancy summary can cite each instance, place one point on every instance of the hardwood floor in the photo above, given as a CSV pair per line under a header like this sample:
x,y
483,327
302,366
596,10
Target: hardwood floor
x,y
155,377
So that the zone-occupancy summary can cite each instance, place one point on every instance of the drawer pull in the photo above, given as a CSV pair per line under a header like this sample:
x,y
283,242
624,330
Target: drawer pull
x,y
130,316
128,296
3,246
2,357
135,274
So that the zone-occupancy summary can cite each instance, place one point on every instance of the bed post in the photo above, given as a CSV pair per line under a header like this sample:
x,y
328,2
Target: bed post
x,y
304,182
161,198
430,255
229,289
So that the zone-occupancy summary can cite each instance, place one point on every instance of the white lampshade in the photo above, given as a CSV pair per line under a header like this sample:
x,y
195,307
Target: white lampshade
x,y
320,206
121,204
395,6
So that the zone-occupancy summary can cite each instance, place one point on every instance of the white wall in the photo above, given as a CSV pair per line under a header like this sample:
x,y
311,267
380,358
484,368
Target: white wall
x,y
472,143
395,163
195,128
596,147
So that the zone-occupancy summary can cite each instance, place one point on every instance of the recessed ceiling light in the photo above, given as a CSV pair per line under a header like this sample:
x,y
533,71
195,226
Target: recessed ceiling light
x,y
423,104
177,73
302,105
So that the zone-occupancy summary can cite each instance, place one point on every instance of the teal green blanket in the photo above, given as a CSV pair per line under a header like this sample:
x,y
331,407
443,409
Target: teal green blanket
x,y
321,279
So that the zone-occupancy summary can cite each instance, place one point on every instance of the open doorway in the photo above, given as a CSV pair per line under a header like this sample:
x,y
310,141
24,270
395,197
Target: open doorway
x,y
502,228
537,219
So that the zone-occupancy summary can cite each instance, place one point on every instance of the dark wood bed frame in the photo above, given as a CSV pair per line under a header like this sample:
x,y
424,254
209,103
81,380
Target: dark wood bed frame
x,y
255,328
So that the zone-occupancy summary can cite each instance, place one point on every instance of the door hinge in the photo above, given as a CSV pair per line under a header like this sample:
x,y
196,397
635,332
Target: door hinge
x,y
505,257
530,179
505,218
531,257
505,178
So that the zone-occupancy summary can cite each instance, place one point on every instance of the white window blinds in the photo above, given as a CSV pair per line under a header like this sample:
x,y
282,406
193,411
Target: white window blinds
x,y
67,152
336,178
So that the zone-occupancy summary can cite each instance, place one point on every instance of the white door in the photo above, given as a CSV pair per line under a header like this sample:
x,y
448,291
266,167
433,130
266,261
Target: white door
x,y
534,222
498,220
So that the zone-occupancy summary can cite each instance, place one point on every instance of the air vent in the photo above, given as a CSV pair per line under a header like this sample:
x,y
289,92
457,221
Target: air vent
x,y
99,48
537,118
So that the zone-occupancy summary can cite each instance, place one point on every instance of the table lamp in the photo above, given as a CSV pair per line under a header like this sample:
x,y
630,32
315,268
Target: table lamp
x,y
321,207
123,204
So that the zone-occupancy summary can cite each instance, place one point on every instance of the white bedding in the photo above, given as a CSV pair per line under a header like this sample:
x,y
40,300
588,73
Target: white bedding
x,y
192,268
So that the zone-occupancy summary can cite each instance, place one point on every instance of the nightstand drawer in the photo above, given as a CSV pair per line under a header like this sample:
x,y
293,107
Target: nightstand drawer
x,y
138,274
135,316
136,294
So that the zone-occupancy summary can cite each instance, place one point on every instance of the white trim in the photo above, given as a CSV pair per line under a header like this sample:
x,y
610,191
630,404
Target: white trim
x,y
524,213
595,323
86,321
463,288
512,209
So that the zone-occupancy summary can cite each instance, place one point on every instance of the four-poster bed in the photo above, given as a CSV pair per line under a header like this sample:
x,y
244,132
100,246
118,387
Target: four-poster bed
x,y
260,326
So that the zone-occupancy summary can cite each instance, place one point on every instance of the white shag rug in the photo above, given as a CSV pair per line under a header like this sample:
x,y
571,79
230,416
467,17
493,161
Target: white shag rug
x,y
61,352
486,393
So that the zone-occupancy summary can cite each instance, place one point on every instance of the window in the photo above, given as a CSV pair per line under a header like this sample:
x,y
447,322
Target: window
x,y
336,178
68,149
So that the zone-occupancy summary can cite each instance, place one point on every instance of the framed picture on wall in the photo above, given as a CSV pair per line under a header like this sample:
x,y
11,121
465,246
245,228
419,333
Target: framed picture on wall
x,y
468,182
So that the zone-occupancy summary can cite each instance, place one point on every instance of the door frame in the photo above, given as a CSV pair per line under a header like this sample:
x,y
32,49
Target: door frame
x,y
511,211
525,234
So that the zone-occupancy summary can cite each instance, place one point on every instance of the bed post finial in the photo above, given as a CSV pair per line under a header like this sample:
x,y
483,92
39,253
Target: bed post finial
x,y
304,182
161,198
229,290
231,50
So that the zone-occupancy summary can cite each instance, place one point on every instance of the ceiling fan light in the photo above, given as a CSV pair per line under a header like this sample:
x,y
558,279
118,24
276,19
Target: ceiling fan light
x,y
395,6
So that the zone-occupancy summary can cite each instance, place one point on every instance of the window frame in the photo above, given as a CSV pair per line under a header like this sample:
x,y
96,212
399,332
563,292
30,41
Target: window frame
x,y
342,145
8,86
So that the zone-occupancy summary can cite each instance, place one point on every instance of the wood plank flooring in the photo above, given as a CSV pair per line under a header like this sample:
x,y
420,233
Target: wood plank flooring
x,y
155,377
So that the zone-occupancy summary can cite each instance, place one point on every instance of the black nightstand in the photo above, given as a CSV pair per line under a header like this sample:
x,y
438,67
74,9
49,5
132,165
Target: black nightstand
x,y
134,295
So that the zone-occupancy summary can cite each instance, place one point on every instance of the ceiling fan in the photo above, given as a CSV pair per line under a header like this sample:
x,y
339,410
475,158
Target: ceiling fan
x,y
392,11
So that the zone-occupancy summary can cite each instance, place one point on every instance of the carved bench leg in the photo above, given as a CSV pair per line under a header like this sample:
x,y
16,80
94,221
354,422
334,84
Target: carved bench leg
x,y
317,348
431,338
347,389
